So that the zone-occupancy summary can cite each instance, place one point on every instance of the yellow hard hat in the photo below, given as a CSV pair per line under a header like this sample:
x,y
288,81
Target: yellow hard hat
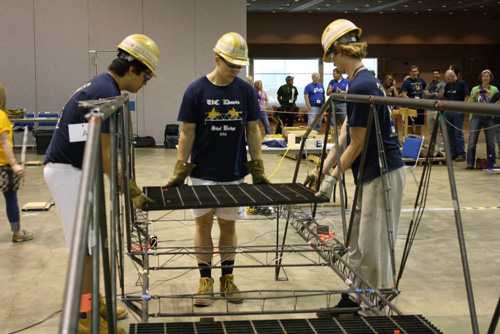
x,y
142,48
233,48
333,32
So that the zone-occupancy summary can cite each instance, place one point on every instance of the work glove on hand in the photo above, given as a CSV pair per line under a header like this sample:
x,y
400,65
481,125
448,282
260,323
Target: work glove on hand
x,y
181,171
312,179
256,168
326,188
137,196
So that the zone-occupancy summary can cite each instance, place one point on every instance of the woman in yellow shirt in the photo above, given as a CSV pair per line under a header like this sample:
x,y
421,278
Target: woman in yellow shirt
x,y
10,174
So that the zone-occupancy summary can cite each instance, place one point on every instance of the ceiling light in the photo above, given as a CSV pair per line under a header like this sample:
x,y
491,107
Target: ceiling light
x,y
451,13
379,1
288,4
367,5
481,6
429,10
381,12
460,2
485,13
318,8
420,2
327,5
274,11
393,9
296,0
280,8
465,9
416,12
248,4
346,12
406,6
309,12
444,6
355,9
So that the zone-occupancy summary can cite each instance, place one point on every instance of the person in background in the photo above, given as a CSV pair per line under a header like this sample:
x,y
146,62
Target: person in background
x,y
481,94
339,85
389,85
314,95
413,88
11,174
455,90
287,96
249,79
263,104
435,90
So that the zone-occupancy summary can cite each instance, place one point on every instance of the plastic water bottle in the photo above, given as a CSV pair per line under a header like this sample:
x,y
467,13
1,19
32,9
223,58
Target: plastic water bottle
x,y
491,162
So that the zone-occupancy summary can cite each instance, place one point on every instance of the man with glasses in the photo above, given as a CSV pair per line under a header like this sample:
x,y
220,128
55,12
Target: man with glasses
x,y
134,66
219,115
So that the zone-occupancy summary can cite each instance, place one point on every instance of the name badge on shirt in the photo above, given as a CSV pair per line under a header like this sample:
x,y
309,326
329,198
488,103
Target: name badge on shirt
x,y
318,101
78,132
290,101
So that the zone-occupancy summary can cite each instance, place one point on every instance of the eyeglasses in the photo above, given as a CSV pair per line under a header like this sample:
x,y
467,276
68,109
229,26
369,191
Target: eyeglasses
x,y
231,66
147,76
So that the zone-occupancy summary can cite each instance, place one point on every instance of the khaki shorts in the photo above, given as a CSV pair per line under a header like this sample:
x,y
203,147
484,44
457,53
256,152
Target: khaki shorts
x,y
233,213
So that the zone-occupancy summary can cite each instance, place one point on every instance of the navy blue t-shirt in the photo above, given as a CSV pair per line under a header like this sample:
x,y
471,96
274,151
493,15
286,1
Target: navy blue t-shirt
x,y
456,91
60,149
414,88
316,94
220,114
494,98
357,116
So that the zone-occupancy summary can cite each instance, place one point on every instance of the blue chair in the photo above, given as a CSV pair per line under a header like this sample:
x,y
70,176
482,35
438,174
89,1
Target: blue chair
x,y
19,125
411,152
50,126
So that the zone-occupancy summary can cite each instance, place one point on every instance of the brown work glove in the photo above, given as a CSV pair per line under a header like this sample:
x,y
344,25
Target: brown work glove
x,y
312,179
181,171
256,168
137,196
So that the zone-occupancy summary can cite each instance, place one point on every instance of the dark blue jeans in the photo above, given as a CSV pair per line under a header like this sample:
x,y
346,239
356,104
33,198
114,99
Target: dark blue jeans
x,y
455,133
12,209
476,124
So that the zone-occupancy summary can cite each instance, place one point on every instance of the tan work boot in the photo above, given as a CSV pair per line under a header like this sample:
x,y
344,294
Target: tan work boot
x,y
85,326
204,296
230,290
121,312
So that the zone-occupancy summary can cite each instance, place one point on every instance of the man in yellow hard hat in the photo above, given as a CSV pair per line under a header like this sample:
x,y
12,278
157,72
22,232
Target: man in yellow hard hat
x,y
134,66
219,115
369,253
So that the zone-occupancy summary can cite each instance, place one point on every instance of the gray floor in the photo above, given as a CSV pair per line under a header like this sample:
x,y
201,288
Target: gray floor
x,y
33,273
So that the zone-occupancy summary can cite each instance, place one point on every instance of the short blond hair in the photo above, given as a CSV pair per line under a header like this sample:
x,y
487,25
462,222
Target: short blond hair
x,y
356,50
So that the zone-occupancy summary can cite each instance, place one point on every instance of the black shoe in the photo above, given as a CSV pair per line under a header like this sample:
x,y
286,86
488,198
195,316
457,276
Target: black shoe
x,y
460,158
469,167
344,303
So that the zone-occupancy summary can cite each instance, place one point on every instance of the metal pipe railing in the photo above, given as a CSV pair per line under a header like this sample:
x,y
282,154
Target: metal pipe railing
x,y
91,208
488,109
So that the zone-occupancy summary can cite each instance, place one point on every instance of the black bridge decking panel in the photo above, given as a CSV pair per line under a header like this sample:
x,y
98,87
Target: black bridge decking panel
x,y
410,324
197,197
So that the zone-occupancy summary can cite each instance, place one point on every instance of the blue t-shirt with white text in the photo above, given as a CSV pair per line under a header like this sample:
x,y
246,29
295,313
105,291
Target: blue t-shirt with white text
x,y
60,149
357,116
220,114
316,94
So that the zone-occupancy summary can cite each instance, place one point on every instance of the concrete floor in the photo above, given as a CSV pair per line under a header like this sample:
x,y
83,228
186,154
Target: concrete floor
x,y
33,273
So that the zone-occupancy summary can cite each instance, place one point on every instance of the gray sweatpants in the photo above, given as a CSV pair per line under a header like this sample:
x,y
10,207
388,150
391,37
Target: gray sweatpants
x,y
369,252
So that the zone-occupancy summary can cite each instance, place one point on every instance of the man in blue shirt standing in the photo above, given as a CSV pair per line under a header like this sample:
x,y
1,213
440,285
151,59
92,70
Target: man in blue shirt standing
x,y
314,95
413,88
339,85
455,90
219,115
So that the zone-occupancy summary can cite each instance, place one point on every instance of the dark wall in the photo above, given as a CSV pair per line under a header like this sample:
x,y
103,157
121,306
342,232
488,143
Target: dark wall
x,y
398,40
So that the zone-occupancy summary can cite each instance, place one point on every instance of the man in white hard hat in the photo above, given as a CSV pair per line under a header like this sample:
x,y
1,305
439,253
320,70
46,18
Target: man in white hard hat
x,y
218,111
369,252
134,66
